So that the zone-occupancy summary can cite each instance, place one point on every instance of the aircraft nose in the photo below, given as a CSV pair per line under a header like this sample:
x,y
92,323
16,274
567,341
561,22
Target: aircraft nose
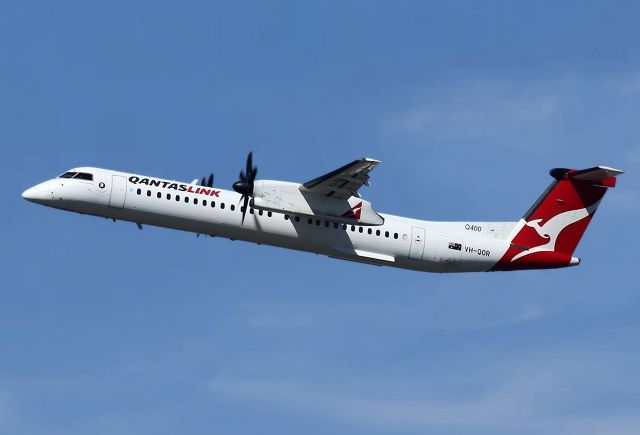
x,y
31,194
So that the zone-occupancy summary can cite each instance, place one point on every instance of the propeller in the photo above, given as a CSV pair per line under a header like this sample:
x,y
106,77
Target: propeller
x,y
208,182
244,186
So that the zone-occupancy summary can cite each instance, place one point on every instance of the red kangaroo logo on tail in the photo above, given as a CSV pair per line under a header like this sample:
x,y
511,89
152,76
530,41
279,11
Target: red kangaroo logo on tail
x,y
551,229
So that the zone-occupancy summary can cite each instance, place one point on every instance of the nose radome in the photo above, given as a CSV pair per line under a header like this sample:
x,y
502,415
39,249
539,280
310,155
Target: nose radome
x,y
31,194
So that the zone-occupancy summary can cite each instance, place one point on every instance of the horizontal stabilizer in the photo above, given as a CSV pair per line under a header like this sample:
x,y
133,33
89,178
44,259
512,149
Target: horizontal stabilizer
x,y
600,175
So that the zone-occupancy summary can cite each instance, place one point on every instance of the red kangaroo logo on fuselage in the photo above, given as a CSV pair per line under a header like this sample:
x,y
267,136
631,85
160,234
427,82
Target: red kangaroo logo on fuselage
x,y
354,212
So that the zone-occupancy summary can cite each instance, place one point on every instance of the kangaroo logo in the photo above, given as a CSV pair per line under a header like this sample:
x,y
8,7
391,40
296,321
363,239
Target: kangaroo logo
x,y
551,229
354,212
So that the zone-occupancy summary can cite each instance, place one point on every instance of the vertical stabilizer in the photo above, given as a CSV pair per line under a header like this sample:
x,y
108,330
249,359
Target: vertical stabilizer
x,y
549,232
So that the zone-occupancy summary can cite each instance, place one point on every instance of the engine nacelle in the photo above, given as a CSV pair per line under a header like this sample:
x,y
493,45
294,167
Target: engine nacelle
x,y
286,197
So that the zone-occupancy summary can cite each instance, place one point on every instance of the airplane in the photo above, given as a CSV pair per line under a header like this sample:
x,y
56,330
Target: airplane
x,y
327,216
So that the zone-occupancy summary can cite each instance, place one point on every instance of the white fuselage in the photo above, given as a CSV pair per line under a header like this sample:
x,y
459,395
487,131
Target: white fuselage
x,y
399,242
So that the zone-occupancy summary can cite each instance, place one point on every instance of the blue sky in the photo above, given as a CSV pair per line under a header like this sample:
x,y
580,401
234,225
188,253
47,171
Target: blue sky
x,y
107,329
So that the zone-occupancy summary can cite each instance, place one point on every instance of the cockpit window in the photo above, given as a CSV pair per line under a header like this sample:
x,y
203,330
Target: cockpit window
x,y
77,176
84,176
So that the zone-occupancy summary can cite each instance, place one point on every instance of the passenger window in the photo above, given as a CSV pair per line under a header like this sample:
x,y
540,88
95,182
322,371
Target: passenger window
x,y
148,193
377,232
386,233
318,222
326,224
286,217
360,229
139,191
177,197
269,214
159,195
186,199
370,231
213,204
336,225
297,218
310,221
168,196
195,201
222,205
204,202
353,227
233,207
260,212
344,227
251,210
395,235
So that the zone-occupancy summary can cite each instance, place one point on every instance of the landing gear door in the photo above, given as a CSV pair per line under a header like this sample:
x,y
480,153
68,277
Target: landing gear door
x,y
417,243
118,191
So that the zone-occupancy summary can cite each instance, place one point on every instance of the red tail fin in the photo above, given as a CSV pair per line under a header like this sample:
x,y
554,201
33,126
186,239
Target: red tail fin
x,y
550,231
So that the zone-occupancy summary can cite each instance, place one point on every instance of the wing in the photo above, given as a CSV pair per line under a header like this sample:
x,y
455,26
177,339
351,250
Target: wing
x,y
344,182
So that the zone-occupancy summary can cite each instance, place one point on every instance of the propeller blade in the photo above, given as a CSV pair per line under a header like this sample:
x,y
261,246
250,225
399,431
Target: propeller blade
x,y
249,164
244,186
244,207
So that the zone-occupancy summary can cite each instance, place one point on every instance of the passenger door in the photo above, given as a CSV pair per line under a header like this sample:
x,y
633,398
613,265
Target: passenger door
x,y
118,191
